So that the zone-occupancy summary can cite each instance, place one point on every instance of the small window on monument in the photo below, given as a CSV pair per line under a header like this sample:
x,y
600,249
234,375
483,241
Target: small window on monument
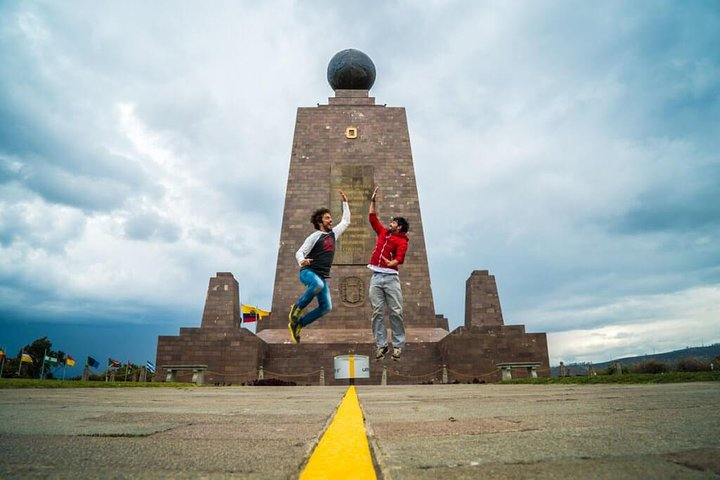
x,y
351,132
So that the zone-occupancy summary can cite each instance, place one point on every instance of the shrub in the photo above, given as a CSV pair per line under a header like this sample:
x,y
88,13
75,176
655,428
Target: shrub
x,y
650,366
691,365
612,368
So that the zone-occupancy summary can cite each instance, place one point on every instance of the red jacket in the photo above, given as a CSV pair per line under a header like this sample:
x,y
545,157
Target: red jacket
x,y
389,245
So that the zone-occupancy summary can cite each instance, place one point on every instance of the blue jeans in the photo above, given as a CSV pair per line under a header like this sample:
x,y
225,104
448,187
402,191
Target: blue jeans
x,y
316,287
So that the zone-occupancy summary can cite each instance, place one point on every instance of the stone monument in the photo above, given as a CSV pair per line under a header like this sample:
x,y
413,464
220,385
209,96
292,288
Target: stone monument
x,y
352,144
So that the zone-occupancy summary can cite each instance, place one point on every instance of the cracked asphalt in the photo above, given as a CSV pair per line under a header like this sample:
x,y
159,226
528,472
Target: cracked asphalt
x,y
415,432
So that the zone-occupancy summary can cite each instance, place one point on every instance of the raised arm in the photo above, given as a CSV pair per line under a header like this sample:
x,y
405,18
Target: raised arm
x,y
373,207
372,214
345,221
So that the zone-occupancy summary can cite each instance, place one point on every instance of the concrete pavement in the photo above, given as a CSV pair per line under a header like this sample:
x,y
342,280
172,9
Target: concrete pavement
x,y
428,431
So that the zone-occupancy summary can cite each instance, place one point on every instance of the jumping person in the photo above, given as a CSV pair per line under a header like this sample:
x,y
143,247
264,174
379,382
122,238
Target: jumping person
x,y
315,258
385,290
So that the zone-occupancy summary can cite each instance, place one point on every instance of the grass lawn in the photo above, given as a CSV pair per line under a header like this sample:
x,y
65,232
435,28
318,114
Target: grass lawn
x,y
35,383
669,377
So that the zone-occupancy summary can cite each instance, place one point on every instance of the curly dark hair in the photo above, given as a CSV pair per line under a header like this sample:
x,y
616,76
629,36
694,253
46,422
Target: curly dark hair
x,y
402,223
316,217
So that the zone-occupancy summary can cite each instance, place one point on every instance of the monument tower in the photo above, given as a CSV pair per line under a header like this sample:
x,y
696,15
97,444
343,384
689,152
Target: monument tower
x,y
353,144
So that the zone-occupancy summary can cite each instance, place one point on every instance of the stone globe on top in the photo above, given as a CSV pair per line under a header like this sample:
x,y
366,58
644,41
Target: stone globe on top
x,y
351,70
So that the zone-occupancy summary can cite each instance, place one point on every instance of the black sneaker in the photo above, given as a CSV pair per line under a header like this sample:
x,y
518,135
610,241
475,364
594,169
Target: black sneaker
x,y
294,314
380,352
294,328
396,354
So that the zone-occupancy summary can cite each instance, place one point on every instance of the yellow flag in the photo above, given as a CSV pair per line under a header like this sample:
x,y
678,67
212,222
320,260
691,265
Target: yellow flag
x,y
252,314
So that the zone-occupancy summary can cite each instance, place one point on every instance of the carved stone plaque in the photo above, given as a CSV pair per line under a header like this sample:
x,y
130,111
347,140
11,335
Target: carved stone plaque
x,y
352,291
355,246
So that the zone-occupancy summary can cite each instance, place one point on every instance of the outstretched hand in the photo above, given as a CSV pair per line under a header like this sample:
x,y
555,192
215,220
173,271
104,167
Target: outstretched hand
x,y
342,194
374,194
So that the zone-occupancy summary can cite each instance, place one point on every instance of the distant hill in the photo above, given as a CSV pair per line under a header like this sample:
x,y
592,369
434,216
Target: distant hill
x,y
700,353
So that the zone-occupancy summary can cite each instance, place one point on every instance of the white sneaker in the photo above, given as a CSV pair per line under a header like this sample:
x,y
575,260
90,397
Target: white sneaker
x,y
380,352
396,354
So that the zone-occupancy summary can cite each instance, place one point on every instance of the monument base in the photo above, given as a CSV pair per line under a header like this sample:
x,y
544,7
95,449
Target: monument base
x,y
236,356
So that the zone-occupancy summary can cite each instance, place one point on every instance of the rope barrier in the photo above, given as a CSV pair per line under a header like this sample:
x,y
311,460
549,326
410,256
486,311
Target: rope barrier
x,y
396,372
243,374
315,372
472,375
253,374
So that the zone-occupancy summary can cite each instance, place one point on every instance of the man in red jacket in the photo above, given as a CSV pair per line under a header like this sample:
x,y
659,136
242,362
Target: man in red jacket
x,y
385,291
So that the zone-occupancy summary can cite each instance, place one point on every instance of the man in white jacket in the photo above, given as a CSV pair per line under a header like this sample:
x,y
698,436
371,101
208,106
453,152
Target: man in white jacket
x,y
315,258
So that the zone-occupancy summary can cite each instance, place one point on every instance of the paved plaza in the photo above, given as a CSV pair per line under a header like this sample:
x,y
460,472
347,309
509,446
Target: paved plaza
x,y
415,432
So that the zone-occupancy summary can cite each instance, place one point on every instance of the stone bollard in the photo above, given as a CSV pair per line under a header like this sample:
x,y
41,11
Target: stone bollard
x,y
618,368
86,374
384,376
444,374
322,376
261,375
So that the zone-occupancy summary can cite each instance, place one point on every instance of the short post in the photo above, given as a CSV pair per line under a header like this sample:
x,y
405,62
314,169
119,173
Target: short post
x,y
261,375
532,370
143,375
198,376
444,374
86,374
322,376
171,375
384,376
618,368
506,373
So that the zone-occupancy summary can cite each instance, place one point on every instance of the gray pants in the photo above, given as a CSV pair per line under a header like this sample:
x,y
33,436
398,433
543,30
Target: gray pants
x,y
385,291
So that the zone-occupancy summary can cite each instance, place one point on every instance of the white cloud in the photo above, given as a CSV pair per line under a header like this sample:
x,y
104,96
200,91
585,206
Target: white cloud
x,y
569,149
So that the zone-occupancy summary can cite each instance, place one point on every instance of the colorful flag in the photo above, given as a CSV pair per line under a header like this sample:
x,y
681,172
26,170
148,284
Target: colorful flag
x,y
93,363
69,361
2,354
25,358
112,363
52,360
150,366
253,314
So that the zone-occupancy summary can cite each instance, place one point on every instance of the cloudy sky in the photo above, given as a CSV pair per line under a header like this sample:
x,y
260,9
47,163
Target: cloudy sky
x,y
571,148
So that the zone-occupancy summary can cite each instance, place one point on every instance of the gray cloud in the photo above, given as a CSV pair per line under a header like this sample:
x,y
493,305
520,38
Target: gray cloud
x,y
569,149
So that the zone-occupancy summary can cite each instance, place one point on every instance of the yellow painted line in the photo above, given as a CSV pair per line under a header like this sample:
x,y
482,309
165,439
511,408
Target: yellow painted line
x,y
352,366
343,451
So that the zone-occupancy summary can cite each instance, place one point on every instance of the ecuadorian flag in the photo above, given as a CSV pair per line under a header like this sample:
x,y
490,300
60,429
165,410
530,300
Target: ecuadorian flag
x,y
252,314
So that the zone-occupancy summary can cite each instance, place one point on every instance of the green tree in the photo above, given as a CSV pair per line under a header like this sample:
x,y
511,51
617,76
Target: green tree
x,y
37,350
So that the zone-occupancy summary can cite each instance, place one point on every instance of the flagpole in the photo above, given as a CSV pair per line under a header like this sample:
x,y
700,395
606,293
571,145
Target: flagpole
x,y
42,369
2,362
